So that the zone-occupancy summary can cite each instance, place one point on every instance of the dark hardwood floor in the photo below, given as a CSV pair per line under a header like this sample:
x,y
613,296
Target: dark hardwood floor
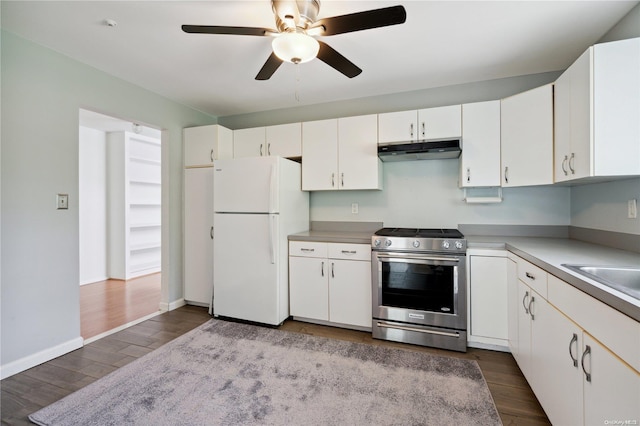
x,y
26,392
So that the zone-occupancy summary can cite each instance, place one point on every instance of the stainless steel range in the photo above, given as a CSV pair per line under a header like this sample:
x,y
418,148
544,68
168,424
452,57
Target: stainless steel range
x,y
419,287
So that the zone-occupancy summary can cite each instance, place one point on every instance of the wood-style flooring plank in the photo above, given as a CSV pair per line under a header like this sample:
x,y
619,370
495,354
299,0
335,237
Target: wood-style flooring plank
x,y
26,392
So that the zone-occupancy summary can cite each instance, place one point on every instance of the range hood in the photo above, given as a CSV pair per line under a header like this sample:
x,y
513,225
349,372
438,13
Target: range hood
x,y
428,150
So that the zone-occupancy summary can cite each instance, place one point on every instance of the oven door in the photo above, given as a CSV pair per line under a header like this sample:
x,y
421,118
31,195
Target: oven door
x,y
426,289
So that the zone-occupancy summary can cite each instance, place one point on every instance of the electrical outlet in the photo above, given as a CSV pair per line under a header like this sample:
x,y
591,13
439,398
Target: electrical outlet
x,y
354,208
632,209
62,201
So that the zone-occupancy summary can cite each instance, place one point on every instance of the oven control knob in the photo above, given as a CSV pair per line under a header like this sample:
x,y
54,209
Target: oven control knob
x,y
387,243
416,243
458,245
445,244
377,243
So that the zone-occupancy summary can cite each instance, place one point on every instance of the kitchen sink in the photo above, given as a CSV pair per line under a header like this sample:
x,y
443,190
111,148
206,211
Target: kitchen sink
x,y
625,279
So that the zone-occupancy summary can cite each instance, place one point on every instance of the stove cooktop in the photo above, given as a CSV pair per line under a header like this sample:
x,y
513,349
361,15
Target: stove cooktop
x,y
419,233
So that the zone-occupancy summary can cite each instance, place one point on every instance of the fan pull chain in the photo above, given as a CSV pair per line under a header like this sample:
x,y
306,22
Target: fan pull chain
x,y
297,90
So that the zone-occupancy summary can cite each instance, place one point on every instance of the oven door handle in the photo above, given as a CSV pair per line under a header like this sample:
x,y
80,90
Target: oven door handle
x,y
400,327
409,257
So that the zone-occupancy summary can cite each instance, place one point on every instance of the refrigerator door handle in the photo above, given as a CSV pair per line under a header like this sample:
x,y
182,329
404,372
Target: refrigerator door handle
x,y
272,181
272,240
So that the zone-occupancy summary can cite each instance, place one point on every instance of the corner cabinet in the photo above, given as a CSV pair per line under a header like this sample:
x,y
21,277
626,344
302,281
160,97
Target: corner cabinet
x,y
202,146
526,124
599,139
134,194
340,154
480,158
330,283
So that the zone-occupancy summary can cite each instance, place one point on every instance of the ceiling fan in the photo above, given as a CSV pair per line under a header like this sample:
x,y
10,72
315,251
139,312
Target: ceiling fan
x,y
297,26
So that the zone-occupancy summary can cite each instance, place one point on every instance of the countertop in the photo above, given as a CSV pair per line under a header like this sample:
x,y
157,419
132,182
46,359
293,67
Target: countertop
x,y
333,237
550,253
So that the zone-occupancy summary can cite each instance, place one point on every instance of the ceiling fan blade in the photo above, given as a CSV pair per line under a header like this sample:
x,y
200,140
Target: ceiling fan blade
x,y
269,67
331,57
359,21
216,29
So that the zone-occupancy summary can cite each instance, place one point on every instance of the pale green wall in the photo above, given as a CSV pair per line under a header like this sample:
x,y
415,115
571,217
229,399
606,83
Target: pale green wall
x,y
41,94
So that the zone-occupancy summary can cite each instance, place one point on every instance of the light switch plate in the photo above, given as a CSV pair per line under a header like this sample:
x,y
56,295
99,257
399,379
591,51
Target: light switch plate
x,y
632,209
63,201
354,208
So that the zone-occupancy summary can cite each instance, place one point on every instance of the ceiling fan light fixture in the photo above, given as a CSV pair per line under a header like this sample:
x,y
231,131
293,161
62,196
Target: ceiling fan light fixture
x,y
295,47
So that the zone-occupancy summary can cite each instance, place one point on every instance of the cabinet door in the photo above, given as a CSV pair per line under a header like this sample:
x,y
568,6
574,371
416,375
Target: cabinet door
x,y
284,140
527,137
513,304
440,123
613,389
580,160
198,235
350,292
401,126
358,162
249,142
320,155
199,145
555,359
480,159
562,127
524,330
308,287
488,284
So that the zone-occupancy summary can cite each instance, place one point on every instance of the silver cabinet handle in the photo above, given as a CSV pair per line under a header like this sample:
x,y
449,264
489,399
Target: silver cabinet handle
x,y
333,180
211,232
530,275
322,269
411,130
342,179
526,310
211,155
307,249
587,351
571,161
506,174
530,310
424,131
564,162
468,174
268,149
349,252
574,339
333,275
261,150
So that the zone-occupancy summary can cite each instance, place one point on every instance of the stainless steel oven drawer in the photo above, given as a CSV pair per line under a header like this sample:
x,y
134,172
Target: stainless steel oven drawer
x,y
455,340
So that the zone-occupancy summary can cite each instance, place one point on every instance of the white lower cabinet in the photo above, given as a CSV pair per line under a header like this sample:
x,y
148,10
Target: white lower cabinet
x,y
577,379
330,282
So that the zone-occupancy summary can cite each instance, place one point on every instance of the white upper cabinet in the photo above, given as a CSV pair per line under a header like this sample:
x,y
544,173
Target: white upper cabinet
x,y
480,159
341,154
249,142
440,123
425,124
526,121
284,140
203,144
358,162
597,105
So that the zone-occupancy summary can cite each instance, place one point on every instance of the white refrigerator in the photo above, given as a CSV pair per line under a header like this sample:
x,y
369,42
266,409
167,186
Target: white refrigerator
x,y
258,202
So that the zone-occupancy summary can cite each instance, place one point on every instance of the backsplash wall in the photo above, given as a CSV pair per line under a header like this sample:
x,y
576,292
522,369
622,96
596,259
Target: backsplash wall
x,y
426,194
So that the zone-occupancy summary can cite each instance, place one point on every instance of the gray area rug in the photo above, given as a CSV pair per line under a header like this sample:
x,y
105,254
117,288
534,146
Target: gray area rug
x,y
227,373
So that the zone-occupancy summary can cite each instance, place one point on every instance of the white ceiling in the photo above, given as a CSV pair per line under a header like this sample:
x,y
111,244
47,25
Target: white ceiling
x,y
442,43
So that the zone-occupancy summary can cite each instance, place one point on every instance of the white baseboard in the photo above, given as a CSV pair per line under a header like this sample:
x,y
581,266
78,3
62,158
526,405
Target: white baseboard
x,y
38,358
164,307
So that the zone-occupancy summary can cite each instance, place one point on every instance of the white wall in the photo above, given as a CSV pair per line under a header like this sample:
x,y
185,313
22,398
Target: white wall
x,y
425,194
92,205
42,92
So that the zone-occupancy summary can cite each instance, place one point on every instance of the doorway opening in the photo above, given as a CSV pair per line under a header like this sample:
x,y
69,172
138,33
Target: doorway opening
x,y
120,207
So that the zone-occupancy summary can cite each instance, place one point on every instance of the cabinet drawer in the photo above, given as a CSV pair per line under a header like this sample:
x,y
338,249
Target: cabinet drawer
x,y
350,251
533,276
307,249
615,330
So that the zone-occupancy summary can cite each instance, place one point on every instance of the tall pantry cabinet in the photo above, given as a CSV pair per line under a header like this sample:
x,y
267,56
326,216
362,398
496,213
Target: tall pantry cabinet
x,y
202,146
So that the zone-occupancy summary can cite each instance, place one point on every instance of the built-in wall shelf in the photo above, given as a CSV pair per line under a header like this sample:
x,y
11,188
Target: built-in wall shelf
x,y
134,168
